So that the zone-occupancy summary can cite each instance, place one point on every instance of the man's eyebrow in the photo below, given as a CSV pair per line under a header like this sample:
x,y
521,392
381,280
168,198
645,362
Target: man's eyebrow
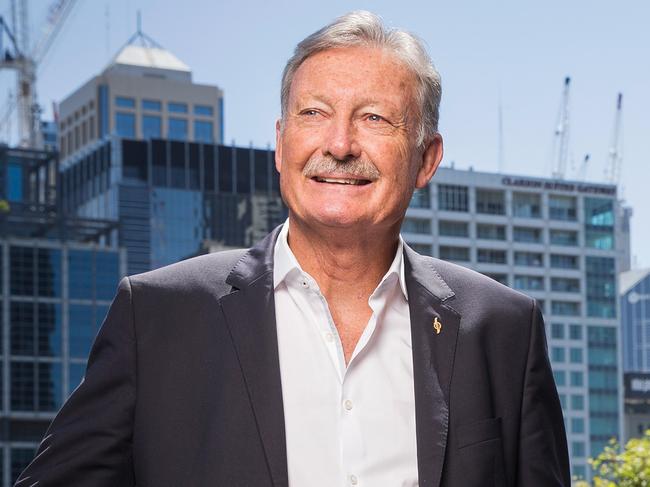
x,y
313,97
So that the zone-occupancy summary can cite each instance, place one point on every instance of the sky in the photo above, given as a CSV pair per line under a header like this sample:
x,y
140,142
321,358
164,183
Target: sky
x,y
509,54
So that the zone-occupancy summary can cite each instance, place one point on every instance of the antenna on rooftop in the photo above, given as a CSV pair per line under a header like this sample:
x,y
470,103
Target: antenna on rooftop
x,y
139,22
561,135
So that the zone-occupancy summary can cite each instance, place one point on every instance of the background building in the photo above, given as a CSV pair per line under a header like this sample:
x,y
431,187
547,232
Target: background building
x,y
635,319
637,404
556,241
57,279
145,92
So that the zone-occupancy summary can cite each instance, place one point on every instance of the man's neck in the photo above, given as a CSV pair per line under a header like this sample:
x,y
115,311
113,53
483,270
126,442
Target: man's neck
x,y
344,262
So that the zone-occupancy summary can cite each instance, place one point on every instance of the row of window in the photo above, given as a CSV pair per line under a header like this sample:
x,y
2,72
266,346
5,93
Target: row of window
x,y
177,128
452,197
156,106
559,355
558,331
520,258
92,274
576,378
491,231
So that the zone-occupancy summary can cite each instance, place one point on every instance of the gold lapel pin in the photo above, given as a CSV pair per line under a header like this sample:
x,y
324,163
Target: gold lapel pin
x,y
437,325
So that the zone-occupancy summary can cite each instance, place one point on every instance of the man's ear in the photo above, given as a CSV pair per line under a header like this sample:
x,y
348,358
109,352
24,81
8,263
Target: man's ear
x,y
278,144
431,158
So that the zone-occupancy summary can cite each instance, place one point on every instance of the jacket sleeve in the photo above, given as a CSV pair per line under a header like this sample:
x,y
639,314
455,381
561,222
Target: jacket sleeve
x,y
543,456
90,440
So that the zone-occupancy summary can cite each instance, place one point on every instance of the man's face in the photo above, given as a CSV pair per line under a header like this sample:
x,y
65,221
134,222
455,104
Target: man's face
x,y
346,150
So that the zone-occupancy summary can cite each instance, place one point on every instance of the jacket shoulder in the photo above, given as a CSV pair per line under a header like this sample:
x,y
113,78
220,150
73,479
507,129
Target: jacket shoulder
x,y
197,273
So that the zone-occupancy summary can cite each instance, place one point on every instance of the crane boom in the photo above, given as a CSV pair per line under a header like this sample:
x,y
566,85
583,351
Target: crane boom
x,y
615,155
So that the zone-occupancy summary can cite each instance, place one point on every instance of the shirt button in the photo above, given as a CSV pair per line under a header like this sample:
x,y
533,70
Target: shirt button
x,y
354,480
304,283
348,405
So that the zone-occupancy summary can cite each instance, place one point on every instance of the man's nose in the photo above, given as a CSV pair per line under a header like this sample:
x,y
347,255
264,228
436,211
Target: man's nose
x,y
341,142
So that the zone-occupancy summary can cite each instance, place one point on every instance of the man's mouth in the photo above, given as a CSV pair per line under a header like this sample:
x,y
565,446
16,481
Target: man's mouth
x,y
351,181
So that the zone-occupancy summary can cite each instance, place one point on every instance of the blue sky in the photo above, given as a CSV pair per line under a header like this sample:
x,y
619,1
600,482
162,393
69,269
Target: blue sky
x,y
517,51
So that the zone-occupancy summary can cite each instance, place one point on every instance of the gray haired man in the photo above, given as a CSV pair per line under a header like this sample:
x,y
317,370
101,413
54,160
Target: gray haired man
x,y
330,354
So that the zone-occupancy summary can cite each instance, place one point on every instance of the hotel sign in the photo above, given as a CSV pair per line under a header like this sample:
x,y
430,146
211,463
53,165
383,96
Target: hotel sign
x,y
559,186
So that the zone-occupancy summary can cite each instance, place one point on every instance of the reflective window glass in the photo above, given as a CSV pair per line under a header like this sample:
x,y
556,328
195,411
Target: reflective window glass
x,y
125,124
151,127
177,129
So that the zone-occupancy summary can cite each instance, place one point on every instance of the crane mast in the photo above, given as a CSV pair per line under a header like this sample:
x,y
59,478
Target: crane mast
x,y
561,136
24,60
615,155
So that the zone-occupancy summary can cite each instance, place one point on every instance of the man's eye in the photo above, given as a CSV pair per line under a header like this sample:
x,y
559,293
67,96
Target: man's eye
x,y
375,118
310,113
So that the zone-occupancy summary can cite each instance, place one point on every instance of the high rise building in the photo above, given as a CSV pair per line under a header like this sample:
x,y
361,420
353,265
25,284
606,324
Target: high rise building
x,y
145,92
558,242
140,144
634,291
57,279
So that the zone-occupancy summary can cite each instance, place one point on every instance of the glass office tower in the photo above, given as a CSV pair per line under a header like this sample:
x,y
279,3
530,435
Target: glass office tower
x,y
57,279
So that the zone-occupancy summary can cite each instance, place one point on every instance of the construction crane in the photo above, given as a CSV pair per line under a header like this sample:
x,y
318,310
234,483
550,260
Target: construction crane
x,y
24,60
615,155
561,136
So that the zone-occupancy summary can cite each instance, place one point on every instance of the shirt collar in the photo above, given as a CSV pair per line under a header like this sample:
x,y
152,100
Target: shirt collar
x,y
285,262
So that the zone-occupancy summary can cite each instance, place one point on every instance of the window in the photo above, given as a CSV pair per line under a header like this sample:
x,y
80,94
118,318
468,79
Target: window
x,y
175,107
575,332
177,129
452,197
557,331
490,232
205,110
526,205
599,223
417,225
21,271
527,234
460,254
421,198
567,238
562,207
82,330
491,202
557,354
577,378
560,377
151,105
80,271
124,102
529,259
577,402
449,228
565,308
151,127
577,425
575,355
601,287
491,256
562,261
125,124
565,284
203,131
577,449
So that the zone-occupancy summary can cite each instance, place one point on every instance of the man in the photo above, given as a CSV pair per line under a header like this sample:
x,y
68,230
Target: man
x,y
330,354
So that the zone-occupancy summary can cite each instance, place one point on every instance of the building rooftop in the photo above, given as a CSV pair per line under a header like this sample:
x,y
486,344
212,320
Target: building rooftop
x,y
149,57
627,280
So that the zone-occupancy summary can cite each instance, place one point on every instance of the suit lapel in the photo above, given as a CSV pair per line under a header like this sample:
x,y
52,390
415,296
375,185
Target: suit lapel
x,y
249,311
433,359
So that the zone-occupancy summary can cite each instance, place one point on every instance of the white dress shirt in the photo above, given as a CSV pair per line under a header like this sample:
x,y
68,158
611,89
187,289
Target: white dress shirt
x,y
354,425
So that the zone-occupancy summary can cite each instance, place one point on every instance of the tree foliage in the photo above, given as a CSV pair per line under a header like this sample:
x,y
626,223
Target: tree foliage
x,y
627,467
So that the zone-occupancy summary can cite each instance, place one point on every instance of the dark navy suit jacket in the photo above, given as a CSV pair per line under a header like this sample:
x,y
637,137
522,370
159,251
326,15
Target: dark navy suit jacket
x,y
183,384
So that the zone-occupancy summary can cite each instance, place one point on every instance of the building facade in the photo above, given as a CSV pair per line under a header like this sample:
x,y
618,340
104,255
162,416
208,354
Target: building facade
x,y
57,279
145,92
635,319
557,242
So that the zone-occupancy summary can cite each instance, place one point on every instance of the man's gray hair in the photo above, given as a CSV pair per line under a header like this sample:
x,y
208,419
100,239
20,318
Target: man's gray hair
x,y
362,28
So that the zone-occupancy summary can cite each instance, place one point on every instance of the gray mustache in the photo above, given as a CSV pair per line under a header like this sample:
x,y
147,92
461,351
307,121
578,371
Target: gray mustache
x,y
360,168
